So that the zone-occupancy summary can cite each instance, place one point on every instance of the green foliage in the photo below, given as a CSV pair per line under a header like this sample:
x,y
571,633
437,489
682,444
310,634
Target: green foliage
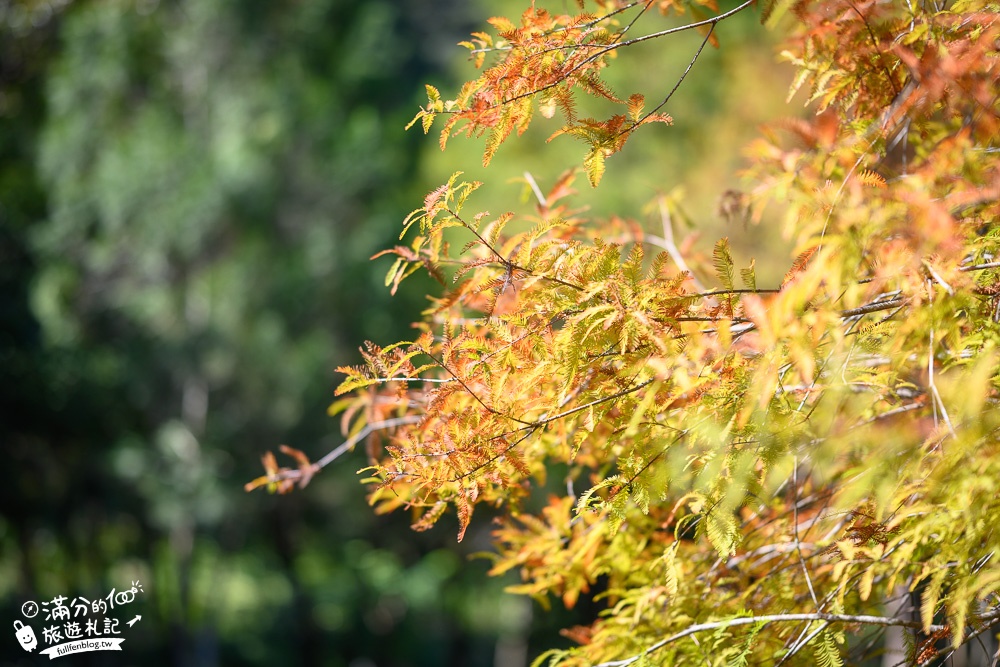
x,y
798,451
827,652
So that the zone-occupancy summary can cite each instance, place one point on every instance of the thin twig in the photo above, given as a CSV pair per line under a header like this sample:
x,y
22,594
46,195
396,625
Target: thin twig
x,y
635,19
741,290
346,446
875,43
937,276
495,457
799,645
671,247
607,48
578,26
771,618
471,393
677,85
414,379
795,528
939,404
707,22
623,392
873,307
509,265
980,267
535,189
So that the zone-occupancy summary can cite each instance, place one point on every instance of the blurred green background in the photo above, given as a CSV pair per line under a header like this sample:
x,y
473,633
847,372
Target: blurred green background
x,y
189,194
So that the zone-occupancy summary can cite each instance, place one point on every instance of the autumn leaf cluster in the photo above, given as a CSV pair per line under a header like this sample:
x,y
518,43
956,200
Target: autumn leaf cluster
x,y
743,473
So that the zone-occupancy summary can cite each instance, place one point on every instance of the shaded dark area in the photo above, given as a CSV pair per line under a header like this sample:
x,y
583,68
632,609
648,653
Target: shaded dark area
x,y
189,194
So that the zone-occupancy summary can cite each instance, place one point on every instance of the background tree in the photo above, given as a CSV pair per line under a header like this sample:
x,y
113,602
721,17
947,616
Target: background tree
x,y
189,192
746,473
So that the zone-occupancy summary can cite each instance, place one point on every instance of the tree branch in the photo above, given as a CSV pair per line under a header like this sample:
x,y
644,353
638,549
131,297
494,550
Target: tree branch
x,y
772,618
612,47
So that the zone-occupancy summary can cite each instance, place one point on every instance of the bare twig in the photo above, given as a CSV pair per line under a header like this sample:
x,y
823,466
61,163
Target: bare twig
x,y
980,267
677,85
888,304
707,22
578,26
938,403
803,642
607,48
415,379
671,247
771,618
795,529
579,408
344,447
348,444
535,189
937,276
